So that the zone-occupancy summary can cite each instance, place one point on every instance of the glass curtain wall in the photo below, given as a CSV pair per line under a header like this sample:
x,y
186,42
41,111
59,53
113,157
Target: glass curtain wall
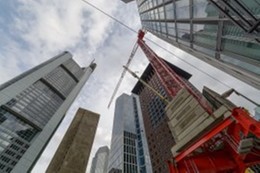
x,y
198,24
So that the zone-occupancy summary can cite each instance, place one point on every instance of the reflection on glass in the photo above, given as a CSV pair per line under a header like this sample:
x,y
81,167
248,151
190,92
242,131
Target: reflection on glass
x,y
243,65
236,42
15,138
182,9
169,11
205,34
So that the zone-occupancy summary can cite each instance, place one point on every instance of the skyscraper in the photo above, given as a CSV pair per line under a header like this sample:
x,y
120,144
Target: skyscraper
x,y
100,161
129,151
224,34
158,134
33,105
73,152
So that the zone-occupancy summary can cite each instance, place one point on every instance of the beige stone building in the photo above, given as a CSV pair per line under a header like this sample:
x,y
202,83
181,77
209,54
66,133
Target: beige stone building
x,y
73,152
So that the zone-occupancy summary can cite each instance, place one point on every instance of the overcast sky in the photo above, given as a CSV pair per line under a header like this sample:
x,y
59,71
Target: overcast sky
x,y
34,31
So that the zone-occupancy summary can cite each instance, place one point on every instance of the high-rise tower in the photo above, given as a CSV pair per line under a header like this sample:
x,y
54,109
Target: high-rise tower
x,y
129,150
224,34
33,105
100,161
73,152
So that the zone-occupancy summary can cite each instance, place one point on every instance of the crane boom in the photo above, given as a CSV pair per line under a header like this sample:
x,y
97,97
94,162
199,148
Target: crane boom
x,y
123,73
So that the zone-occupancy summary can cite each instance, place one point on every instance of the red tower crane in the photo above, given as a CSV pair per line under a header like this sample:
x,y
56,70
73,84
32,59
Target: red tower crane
x,y
230,146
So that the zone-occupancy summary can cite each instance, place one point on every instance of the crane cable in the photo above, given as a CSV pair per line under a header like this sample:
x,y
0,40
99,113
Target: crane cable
x,y
131,29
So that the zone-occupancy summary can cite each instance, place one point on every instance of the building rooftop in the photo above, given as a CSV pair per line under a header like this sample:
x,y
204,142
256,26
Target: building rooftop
x,y
150,70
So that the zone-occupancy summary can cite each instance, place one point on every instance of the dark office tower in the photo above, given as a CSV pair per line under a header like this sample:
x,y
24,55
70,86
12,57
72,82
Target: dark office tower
x,y
158,134
100,161
75,147
129,152
224,34
32,105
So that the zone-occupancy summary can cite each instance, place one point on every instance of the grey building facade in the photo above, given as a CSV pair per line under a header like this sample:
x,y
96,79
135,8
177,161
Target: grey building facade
x,y
129,150
73,152
224,34
32,105
100,161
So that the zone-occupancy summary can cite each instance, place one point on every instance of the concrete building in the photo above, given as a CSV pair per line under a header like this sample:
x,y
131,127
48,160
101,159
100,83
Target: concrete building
x,y
158,134
224,34
73,152
100,161
33,105
129,151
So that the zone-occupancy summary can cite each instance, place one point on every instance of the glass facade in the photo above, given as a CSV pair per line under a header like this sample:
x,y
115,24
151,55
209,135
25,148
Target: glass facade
x,y
200,26
123,156
25,115
143,156
129,150
15,138
37,103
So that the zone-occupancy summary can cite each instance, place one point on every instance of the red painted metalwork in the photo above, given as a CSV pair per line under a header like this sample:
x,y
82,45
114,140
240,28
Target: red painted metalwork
x,y
227,158
204,139
171,81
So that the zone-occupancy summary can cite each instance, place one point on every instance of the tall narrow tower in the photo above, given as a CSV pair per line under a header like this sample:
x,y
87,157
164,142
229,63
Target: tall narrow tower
x,y
129,149
32,105
75,147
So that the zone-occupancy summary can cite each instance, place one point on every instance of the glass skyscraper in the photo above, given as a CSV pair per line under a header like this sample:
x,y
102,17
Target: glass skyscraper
x,y
129,150
100,161
32,105
224,34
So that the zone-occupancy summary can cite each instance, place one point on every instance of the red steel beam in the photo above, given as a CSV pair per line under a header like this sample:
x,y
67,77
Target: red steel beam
x,y
204,139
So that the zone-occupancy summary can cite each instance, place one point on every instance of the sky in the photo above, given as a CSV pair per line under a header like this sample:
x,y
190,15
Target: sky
x,y
34,31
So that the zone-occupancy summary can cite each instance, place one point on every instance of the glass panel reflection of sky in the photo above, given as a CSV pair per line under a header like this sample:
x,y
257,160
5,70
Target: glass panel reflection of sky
x,y
15,138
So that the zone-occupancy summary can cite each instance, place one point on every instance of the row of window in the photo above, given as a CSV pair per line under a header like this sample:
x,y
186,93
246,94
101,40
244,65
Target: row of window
x,y
37,103
61,80
200,9
74,68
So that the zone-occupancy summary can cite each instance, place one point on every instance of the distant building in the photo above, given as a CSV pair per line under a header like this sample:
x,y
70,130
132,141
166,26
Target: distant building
x,y
100,161
227,41
158,134
73,152
257,113
129,151
32,105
